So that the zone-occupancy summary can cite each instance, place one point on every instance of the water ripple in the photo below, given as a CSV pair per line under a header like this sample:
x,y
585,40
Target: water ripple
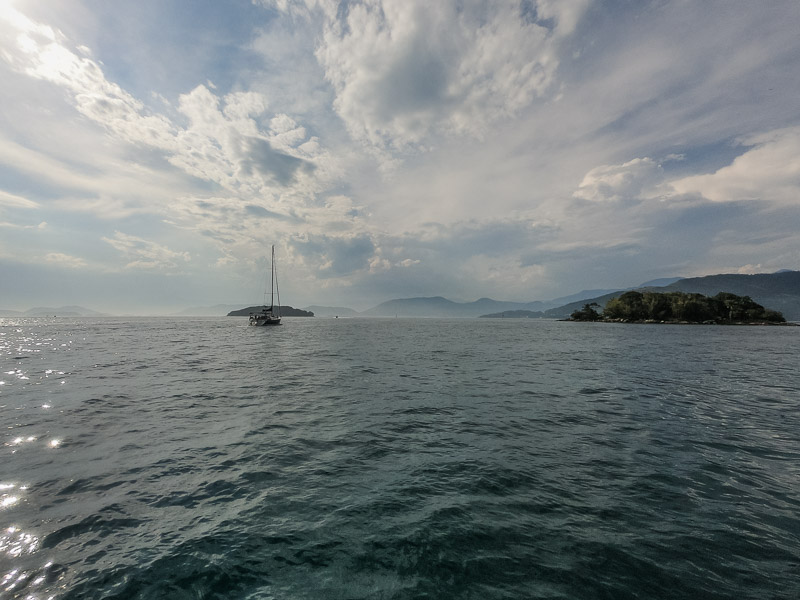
x,y
191,458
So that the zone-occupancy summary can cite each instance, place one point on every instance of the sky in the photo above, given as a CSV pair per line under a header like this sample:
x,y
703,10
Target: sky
x,y
152,152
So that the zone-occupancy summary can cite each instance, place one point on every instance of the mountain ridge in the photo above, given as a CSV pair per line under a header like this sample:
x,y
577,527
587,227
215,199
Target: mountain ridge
x,y
49,311
438,306
777,291
331,311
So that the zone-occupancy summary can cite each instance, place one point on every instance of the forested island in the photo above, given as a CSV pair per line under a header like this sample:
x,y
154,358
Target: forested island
x,y
284,311
679,307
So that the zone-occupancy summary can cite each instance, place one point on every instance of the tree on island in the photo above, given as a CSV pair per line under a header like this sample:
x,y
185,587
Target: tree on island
x,y
690,308
587,313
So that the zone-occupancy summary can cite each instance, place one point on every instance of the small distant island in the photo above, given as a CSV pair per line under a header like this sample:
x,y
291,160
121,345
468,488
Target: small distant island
x,y
284,311
680,307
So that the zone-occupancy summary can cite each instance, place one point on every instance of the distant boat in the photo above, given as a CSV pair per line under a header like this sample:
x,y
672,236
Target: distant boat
x,y
269,315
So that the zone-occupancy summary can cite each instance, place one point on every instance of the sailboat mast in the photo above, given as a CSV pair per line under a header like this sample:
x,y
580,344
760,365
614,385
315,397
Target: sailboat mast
x,y
277,287
272,281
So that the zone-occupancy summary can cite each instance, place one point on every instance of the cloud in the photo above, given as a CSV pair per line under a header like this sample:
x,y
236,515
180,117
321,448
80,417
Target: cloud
x,y
405,263
768,171
258,159
79,172
750,269
527,141
10,203
40,226
265,163
223,142
258,155
469,258
334,256
636,179
65,260
42,54
13,201
144,254
402,71
259,211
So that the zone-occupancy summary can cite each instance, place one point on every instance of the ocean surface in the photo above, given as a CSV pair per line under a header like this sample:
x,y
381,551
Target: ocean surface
x,y
394,458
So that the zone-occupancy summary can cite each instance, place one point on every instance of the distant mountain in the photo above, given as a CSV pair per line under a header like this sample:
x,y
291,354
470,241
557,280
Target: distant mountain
x,y
782,282
331,311
515,314
218,310
779,291
285,311
562,312
589,295
442,307
438,306
62,311
660,282
556,302
560,308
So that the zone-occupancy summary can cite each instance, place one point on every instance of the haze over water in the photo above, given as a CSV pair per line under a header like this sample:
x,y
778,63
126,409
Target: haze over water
x,y
397,458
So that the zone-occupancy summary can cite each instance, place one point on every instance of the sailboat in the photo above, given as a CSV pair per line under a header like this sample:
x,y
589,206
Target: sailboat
x,y
269,315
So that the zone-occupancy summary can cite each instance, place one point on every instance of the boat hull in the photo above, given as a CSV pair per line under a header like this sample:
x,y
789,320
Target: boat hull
x,y
261,321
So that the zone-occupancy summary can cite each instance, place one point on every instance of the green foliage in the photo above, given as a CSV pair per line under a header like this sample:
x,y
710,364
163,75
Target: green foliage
x,y
744,308
693,308
629,306
658,306
587,313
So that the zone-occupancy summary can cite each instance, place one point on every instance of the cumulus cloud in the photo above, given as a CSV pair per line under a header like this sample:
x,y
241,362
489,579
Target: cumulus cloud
x,y
636,179
270,170
270,174
769,170
224,141
145,254
378,264
750,269
402,70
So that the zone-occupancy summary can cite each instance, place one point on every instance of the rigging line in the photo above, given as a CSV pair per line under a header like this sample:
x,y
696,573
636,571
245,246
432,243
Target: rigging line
x,y
277,287
272,281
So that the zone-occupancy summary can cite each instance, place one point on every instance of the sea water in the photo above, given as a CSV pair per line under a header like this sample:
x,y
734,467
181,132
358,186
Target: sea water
x,y
397,458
